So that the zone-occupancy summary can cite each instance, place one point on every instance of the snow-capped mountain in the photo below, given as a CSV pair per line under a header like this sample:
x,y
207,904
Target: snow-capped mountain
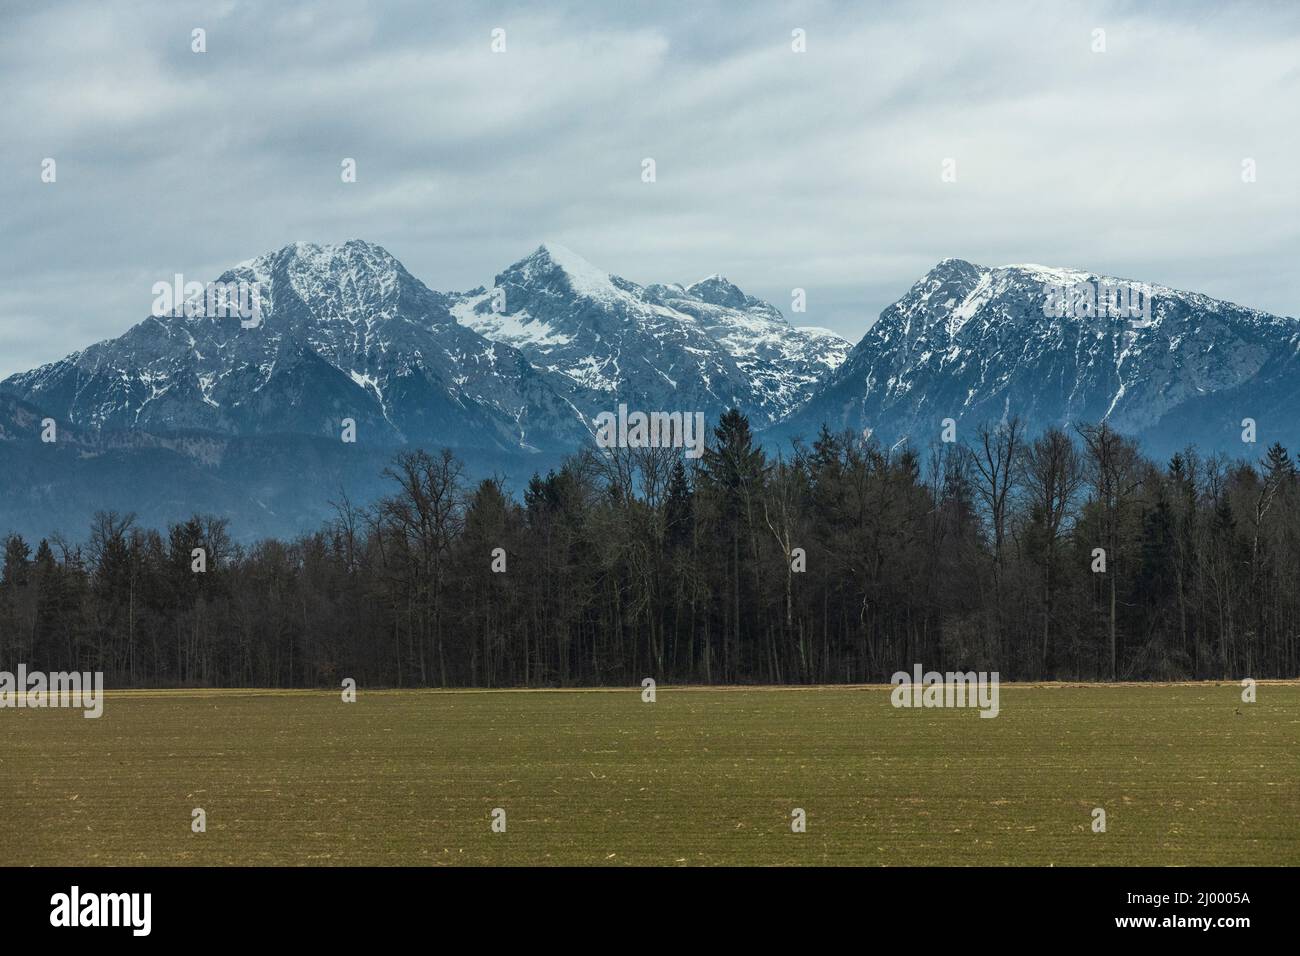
x,y
783,362
183,413
706,347
345,332
978,344
244,419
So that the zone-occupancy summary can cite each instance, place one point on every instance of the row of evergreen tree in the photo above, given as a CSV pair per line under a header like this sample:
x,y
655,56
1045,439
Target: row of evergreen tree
x,y
1062,556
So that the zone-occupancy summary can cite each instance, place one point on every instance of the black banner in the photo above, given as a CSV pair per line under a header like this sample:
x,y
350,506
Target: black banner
x,y
536,905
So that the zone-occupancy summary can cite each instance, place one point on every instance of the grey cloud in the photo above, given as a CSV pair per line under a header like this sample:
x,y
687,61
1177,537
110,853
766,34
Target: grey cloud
x,y
818,170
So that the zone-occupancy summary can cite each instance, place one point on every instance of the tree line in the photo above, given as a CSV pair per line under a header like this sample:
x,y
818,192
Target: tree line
x,y
1066,555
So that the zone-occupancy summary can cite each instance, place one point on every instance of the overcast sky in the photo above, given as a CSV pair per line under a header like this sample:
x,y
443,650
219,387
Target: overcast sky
x,y
819,170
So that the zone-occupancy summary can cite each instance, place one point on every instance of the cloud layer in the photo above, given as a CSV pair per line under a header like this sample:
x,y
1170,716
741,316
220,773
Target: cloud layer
x,y
818,170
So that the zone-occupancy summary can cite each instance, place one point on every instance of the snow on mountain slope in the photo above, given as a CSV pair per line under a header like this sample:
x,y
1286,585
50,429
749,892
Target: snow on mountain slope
x,y
784,362
974,344
707,347
346,332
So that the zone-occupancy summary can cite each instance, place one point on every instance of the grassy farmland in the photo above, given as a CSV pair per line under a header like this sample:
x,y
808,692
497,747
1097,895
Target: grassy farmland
x,y
702,776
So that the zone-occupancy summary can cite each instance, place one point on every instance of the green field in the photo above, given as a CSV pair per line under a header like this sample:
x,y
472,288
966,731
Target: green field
x,y
702,776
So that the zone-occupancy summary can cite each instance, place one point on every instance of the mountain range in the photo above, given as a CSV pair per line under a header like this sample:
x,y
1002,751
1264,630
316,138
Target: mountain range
x,y
203,413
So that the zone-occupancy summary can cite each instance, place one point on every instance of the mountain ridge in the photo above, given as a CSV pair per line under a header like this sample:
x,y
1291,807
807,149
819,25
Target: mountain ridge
x,y
511,375
976,343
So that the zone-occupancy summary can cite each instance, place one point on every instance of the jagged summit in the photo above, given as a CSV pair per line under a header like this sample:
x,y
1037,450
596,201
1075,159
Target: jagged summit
x,y
552,262
354,254
352,281
707,347
718,290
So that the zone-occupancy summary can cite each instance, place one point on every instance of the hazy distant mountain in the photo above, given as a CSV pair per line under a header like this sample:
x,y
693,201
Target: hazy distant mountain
x,y
264,484
974,344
